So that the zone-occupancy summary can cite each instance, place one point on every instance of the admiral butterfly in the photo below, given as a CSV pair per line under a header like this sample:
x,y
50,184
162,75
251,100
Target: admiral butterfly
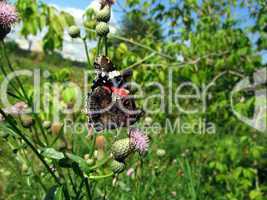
x,y
109,103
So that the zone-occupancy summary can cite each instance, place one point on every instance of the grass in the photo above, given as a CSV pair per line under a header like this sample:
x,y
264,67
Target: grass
x,y
219,166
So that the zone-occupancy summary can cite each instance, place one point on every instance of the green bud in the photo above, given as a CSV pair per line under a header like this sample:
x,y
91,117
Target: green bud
x,y
121,149
117,167
102,29
148,121
90,162
161,152
47,124
74,32
103,15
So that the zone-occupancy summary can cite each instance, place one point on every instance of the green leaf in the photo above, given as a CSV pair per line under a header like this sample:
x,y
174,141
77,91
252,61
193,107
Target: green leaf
x,y
52,153
80,161
51,193
59,195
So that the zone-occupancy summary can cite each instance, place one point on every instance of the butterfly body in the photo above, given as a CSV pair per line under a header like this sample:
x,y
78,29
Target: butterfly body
x,y
110,104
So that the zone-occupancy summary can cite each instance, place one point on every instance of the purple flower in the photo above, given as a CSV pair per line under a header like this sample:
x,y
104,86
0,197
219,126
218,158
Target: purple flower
x,y
139,140
8,14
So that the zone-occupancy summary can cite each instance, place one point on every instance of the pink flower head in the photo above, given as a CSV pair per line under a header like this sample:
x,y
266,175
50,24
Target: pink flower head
x,y
8,14
139,140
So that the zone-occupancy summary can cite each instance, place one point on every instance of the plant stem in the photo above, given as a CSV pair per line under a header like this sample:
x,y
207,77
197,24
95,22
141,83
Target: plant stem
x,y
86,52
101,177
88,189
101,163
98,46
106,45
12,69
40,157
5,74
137,44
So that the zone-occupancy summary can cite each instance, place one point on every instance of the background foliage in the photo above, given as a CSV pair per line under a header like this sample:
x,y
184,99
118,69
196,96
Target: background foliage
x,y
203,42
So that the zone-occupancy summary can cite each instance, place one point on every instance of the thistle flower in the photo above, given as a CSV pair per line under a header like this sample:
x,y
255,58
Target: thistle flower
x,y
8,15
139,140
121,149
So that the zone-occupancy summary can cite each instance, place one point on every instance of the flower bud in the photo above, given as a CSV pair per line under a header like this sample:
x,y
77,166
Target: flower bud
x,y
121,149
102,29
74,32
100,142
90,162
56,128
148,121
86,156
117,167
27,121
47,124
103,14
161,152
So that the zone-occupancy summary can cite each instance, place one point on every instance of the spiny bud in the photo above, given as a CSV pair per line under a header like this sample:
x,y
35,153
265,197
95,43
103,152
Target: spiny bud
x,y
74,32
102,29
121,149
103,14
56,127
117,167
27,121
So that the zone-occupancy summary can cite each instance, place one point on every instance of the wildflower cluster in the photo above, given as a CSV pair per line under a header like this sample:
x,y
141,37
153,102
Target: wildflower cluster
x,y
136,141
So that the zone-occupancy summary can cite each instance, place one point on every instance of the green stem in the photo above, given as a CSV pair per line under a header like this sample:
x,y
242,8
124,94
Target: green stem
x,y
137,44
101,163
106,45
88,189
5,74
40,157
12,69
39,123
101,177
33,170
86,52
93,145
98,46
